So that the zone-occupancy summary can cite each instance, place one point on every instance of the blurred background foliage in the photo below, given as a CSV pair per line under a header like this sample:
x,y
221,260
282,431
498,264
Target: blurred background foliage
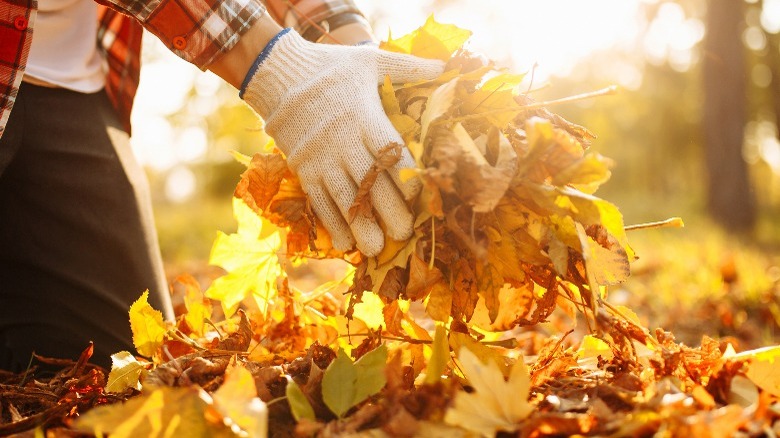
x,y
693,132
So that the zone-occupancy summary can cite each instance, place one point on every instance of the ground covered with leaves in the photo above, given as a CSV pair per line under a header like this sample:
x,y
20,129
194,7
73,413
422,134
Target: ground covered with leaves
x,y
462,330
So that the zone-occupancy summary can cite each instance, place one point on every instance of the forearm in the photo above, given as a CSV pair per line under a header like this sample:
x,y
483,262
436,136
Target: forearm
x,y
233,65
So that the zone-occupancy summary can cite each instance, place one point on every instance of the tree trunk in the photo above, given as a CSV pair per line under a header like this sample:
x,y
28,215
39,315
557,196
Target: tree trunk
x,y
730,198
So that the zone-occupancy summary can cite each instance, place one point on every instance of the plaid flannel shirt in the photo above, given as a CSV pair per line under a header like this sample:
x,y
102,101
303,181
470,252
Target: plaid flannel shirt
x,y
199,31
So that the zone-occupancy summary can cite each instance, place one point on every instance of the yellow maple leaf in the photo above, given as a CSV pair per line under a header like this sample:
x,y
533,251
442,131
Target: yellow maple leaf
x,y
495,95
147,326
250,258
433,40
496,404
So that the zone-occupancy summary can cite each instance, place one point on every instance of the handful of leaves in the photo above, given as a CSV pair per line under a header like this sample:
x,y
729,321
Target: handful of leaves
x,y
506,224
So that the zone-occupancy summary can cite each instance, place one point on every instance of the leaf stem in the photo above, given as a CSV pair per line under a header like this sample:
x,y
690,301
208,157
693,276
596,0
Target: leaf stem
x,y
433,243
672,222
612,89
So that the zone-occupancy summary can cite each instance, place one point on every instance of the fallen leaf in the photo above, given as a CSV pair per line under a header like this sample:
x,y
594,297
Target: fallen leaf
x,y
345,384
299,404
495,404
164,412
440,356
762,368
125,372
147,326
236,400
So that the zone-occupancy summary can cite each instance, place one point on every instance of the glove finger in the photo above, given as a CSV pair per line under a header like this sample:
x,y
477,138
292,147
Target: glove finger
x,y
385,196
390,206
408,68
367,233
330,215
383,136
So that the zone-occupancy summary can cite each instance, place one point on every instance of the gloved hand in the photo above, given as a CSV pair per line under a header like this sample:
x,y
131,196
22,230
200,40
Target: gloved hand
x,y
321,105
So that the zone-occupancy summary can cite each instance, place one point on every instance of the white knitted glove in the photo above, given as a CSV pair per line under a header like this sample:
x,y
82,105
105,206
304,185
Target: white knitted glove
x,y
321,104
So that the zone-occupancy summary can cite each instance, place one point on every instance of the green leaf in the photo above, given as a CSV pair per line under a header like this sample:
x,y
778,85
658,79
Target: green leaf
x,y
338,384
125,372
371,376
299,404
345,384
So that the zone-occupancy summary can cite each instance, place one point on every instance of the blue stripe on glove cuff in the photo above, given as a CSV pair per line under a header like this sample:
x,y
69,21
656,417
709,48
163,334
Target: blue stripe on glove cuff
x,y
260,58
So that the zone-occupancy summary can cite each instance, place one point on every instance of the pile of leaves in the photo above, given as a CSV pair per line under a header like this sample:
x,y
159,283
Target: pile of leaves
x,y
436,336
506,224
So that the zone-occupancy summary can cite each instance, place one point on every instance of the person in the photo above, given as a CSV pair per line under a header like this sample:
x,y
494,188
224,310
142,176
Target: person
x,y
77,238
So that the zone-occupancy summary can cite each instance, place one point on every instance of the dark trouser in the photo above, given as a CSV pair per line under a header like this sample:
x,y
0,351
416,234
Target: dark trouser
x,y
77,237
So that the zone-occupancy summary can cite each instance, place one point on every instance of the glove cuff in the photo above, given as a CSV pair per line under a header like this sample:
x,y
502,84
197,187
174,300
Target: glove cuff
x,y
286,62
259,60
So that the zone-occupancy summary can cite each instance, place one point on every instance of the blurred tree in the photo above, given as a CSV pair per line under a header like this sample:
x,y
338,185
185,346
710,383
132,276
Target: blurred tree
x,y
729,195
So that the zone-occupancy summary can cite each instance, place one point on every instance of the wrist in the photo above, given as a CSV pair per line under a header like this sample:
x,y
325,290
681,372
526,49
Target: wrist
x,y
234,65
259,60
288,62
346,28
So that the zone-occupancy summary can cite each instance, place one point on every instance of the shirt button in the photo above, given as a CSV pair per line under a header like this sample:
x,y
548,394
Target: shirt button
x,y
179,43
20,23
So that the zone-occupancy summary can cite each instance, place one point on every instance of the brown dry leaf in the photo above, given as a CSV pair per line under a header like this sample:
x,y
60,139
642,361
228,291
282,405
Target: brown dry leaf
x,y
438,105
261,181
480,184
421,278
489,283
387,157
608,265
393,318
516,304
439,303
464,290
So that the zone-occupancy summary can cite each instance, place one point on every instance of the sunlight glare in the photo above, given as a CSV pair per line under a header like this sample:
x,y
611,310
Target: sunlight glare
x,y
671,37
180,184
770,16
556,34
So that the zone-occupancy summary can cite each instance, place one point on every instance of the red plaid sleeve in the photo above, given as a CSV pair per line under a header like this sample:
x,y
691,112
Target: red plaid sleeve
x,y
119,39
197,30
16,20
311,17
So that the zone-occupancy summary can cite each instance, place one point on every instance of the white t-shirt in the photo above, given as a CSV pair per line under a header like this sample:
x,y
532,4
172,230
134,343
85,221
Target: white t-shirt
x,y
63,50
